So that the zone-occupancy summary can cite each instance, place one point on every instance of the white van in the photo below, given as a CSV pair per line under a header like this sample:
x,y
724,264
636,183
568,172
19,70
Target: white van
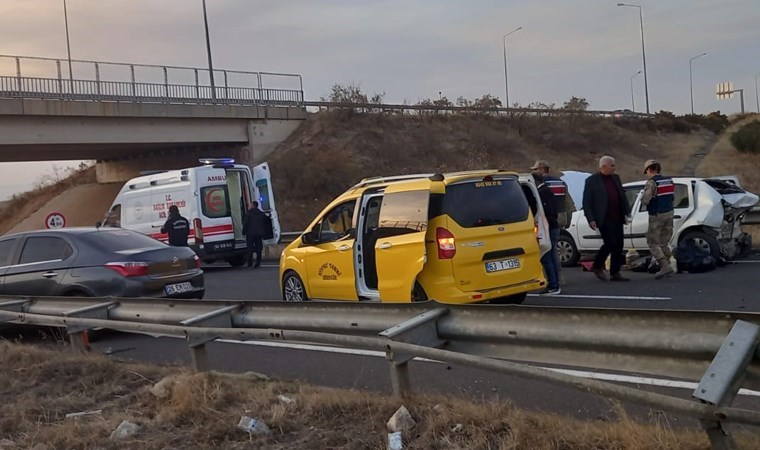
x,y
213,197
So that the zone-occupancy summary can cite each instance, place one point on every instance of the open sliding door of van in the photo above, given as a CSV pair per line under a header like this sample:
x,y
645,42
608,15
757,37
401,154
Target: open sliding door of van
x,y
262,182
400,245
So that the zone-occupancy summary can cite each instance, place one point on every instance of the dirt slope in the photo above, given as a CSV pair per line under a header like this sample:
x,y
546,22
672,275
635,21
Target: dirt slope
x,y
724,159
81,206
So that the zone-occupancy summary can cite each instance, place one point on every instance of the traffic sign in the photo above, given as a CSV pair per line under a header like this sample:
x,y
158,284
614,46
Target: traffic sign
x,y
55,220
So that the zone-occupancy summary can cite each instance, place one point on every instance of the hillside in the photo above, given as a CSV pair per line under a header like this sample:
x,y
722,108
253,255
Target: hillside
x,y
332,151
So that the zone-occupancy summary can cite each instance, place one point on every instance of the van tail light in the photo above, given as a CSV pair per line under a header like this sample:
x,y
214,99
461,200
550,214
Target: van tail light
x,y
129,269
198,229
197,261
535,230
446,246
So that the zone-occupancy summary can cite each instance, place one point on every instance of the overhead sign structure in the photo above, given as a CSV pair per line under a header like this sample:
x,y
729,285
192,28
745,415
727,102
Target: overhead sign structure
x,y
726,90
55,220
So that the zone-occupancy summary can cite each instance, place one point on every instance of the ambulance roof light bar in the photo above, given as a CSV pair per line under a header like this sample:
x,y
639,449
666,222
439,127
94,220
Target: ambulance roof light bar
x,y
213,161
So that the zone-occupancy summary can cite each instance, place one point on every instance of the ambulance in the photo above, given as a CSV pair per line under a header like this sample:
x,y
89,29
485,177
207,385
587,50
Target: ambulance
x,y
213,197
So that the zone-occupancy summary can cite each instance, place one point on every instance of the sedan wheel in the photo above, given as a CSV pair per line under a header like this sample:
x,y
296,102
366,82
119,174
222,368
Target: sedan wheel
x,y
567,251
293,289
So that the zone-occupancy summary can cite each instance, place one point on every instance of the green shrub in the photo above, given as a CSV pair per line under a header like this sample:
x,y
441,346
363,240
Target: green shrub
x,y
747,138
715,121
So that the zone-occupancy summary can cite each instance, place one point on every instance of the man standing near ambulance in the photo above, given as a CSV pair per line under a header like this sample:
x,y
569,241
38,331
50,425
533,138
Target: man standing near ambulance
x,y
659,192
177,228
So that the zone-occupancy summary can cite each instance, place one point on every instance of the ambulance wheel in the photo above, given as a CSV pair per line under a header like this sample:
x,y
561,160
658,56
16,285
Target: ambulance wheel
x,y
567,251
237,261
293,289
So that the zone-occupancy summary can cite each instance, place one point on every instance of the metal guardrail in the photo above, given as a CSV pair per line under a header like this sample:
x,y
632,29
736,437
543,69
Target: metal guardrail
x,y
435,109
152,86
752,217
720,348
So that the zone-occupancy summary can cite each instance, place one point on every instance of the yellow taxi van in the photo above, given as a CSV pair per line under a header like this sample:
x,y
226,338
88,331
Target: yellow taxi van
x,y
461,237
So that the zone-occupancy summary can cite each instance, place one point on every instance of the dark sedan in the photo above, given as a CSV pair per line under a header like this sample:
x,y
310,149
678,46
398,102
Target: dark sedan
x,y
96,262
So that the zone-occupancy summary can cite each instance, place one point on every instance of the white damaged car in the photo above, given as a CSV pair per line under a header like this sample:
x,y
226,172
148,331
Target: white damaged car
x,y
707,210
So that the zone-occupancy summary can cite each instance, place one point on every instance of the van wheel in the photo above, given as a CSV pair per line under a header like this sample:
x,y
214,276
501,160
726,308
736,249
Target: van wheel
x,y
293,289
418,294
567,251
237,260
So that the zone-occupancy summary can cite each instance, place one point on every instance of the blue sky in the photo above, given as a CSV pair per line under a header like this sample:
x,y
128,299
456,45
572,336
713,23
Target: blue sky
x,y
414,49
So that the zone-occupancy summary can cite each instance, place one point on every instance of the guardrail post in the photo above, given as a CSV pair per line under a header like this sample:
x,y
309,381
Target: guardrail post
x,y
18,74
97,80
419,330
724,377
219,318
132,73
78,337
197,88
166,84
60,76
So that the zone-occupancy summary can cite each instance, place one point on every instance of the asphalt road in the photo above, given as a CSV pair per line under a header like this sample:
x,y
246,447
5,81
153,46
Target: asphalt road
x,y
734,287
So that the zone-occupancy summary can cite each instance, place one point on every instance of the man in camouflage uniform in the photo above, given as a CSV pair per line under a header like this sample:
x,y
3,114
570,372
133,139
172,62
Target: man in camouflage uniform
x,y
565,205
658,198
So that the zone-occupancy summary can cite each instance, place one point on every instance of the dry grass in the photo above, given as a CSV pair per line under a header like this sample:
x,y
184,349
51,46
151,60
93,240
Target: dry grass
x,y
724,159
40,385
332,151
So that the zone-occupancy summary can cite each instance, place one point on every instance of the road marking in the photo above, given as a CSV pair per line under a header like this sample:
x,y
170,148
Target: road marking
x,y
612,297
744,262
576,373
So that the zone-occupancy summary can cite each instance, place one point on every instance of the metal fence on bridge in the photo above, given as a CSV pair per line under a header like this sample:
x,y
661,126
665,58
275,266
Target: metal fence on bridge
x,y
42,78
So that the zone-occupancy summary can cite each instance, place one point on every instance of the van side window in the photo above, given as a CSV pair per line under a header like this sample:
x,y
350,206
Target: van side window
x,y
113,218
215,202
337,223
403,212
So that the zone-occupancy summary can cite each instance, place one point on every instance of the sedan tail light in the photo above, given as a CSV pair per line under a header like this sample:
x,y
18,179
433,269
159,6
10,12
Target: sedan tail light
x,y
446,246
197,261
129,269
198,229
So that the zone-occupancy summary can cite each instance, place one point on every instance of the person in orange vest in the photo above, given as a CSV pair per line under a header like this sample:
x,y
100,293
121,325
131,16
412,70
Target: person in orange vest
x,y
659,192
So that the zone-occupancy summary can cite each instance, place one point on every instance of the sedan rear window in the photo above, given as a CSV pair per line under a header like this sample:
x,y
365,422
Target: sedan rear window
x,y
486,202
118,240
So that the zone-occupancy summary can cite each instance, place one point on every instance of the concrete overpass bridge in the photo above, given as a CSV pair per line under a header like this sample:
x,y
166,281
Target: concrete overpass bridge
x,y
132,117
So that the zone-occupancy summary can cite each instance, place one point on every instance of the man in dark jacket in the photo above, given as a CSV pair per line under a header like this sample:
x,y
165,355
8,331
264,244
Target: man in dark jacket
x,y
607,210
254,229
550,261
176,227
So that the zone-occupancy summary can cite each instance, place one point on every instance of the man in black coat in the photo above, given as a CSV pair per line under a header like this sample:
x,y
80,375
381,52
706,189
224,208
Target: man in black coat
x,y
607,210
254,228
176,227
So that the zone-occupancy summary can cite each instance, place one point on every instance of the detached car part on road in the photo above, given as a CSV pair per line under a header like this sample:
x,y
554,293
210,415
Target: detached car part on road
x,y
707,210
459,238
91,262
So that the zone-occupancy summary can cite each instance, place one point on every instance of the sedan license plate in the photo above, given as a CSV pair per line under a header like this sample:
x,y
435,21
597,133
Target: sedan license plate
x,y
505,264
178,288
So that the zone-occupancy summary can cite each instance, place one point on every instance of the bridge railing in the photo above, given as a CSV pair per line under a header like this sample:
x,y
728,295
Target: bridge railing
x,y
42,78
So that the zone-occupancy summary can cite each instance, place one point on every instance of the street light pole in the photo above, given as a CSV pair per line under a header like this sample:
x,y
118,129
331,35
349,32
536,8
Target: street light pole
x,y
68,45
643,51
506,79
208,50
691,84
633,103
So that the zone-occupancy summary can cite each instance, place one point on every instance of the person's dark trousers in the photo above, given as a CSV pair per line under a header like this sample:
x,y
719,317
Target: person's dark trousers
x,y
612,236
255,245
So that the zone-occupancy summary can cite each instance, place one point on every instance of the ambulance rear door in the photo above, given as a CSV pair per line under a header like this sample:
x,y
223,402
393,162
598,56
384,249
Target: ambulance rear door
x,y
262,182
215,210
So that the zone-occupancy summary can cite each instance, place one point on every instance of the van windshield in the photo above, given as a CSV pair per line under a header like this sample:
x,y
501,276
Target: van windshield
x,y
484,203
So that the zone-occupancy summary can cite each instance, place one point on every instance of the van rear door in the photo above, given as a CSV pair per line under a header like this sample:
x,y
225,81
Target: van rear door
x,y
262,182
400,245
495,239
